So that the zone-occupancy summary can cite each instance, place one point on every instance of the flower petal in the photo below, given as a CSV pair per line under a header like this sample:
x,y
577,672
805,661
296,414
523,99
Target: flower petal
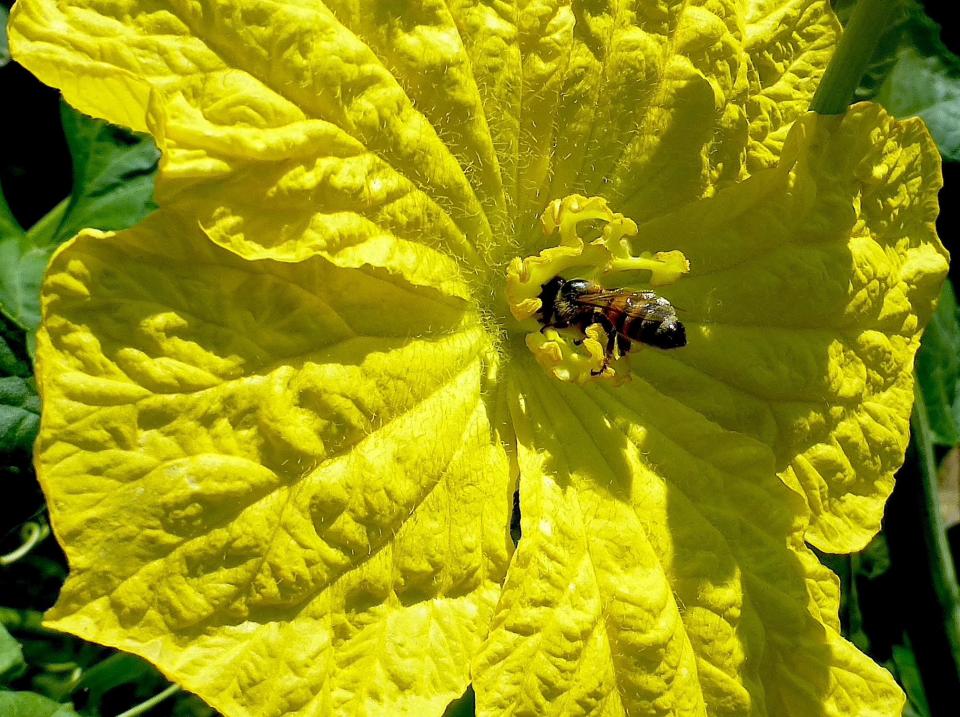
x,y
648,104
303,108
278,482
790,44
661,570
808,289
452,124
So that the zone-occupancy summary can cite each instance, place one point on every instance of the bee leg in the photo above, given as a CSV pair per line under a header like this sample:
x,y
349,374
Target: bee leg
x,y
608,352
558,324
603,366
623,344
545,318
612,341
607,326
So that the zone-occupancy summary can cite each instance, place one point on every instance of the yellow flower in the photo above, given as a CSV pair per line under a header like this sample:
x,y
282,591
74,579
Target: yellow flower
x,y
284,418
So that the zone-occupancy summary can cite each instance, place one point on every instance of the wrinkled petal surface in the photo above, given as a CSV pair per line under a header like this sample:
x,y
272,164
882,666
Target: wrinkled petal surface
x,y
453,122
263,481
281,462
661,570
821,272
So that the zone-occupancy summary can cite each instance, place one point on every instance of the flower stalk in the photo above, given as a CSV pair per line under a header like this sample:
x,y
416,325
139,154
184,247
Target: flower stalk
x,y
940,568
150,703
850,61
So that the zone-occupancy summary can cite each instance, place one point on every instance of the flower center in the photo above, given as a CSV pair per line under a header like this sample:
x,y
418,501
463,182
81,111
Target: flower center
x,y
576,298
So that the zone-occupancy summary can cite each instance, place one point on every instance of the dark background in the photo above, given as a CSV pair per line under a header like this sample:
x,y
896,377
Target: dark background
x,y
34,161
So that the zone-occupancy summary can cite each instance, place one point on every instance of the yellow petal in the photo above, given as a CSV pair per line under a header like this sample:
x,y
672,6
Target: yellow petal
x,y
301,110
654,104
790,44
661,570
398,159
808,289
278,482
452,125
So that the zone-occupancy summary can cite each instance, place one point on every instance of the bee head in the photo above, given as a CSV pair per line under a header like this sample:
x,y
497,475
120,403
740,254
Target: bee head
x,y
551,289
575,288
548,298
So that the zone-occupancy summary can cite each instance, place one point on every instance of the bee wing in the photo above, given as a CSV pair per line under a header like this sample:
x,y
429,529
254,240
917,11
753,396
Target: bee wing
x,y
644,305
604,297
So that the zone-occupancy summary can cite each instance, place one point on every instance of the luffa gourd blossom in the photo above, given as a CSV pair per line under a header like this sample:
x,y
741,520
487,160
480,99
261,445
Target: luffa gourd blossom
x,y
284,418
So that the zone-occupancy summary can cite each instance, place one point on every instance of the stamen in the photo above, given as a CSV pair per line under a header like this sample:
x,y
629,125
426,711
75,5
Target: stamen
x,y
568,354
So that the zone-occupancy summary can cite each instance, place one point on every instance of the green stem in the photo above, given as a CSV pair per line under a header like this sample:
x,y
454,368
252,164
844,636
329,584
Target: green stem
x,y
57,667
147,704
850,61
27,621
34,534
940,561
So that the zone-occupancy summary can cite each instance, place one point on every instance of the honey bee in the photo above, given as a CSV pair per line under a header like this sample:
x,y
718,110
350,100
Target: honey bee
x,y
624,315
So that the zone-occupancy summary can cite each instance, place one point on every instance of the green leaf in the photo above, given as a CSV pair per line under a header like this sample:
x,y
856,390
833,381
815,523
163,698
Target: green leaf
x,y
30,704
4,50
118,669
43,232
913,72
12,350
8,224
19,413
12,664
927,86
903,664
113,175
21,272
191,706
938,370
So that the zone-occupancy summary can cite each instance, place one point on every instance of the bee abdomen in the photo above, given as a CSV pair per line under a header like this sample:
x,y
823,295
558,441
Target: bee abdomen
x,y
668,334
